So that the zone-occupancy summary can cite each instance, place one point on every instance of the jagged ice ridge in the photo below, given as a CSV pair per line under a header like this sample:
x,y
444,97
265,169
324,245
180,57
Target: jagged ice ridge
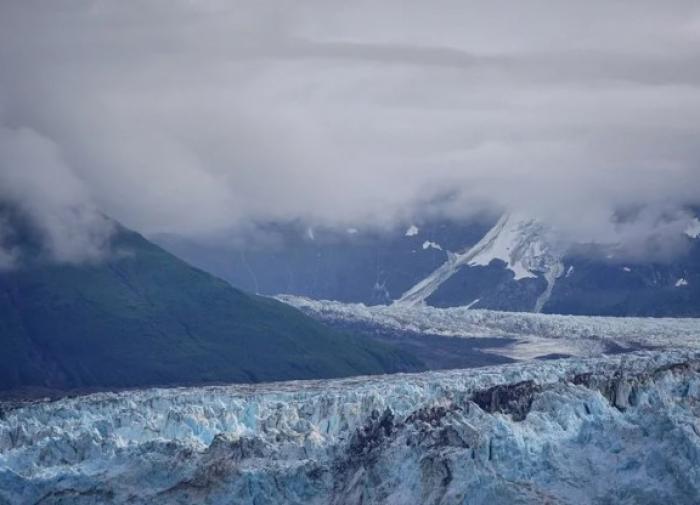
x,y
619,429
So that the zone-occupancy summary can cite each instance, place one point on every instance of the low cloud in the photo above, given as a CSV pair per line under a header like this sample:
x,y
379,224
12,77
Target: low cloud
x,y
36,184
197,117
8,252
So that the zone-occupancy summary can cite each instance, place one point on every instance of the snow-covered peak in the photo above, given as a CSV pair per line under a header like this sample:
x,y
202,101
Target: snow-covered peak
x,y
523,244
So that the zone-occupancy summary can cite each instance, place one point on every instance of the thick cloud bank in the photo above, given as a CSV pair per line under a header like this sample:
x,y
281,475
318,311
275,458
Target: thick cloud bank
x,y
192,117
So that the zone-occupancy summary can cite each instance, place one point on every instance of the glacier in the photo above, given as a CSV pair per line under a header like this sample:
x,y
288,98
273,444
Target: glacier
x,y
622,429
533,335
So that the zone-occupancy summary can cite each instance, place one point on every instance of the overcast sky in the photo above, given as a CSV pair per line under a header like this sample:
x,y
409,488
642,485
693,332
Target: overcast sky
x,y
195,116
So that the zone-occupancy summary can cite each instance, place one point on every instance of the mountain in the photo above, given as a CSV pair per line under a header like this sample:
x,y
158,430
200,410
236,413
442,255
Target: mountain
x,y
144,317
514,263
348,264
521,247
617,429
521,265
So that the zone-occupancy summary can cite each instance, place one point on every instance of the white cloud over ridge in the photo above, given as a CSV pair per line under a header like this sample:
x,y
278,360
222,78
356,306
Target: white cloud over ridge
x,y
192,117
36,181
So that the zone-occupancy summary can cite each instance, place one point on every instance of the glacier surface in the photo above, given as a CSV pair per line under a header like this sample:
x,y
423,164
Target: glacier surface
x,y
533,335
621,429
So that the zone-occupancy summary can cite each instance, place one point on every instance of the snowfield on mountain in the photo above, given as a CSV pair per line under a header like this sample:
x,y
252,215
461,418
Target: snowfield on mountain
x,y
525,246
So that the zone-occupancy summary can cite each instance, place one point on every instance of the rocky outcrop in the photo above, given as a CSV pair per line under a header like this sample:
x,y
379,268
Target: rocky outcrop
x,y
513,399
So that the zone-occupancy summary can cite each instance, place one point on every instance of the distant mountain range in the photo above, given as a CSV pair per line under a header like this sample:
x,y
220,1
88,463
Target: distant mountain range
x,y
144,317
349,265
514,263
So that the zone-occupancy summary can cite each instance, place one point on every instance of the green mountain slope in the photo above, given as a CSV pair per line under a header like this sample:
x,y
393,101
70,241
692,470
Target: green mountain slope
x,y
144,317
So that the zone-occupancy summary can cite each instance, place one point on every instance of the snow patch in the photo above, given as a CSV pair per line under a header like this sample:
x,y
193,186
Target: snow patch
x,y
470,305
551,277
431,245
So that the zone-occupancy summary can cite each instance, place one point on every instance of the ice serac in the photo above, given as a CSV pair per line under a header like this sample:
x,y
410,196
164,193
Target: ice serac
x,y
621,429
525,245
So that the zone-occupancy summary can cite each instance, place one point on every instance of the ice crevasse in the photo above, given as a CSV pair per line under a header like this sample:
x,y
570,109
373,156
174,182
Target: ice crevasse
x,y
616,429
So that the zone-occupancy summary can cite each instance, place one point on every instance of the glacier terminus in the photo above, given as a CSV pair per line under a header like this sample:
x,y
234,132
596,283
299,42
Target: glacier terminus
x,y
621,429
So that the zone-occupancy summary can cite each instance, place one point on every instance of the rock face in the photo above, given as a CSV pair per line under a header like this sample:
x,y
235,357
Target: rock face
x,y
513,399
623,429
355,264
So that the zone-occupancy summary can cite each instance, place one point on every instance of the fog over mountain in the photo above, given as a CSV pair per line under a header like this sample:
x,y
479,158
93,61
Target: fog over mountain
x,y
198,117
